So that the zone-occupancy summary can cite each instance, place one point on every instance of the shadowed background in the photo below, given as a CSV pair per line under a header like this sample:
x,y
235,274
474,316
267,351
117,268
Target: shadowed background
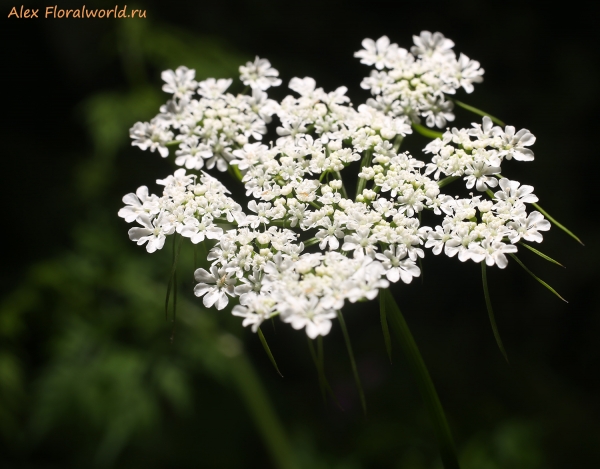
x,y
88,374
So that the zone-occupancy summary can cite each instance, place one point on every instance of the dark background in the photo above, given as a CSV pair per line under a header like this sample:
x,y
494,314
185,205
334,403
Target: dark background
x,y
88,376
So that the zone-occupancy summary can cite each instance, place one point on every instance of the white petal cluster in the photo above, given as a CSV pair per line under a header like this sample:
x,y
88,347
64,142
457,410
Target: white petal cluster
x,y
190,206
477,154
300,247
414,83
486,230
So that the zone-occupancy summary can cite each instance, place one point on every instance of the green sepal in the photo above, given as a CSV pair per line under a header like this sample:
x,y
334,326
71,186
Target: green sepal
x,y
562,227
479,112
488,304
427,132
536,277
263,341
361,393
423,379
541,254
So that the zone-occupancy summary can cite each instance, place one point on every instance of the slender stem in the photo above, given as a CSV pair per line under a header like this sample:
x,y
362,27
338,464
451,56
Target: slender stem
x,y
366,161
488,304
398,142
447,180
259,406
361,393
343,189
424,382
427,132
479,112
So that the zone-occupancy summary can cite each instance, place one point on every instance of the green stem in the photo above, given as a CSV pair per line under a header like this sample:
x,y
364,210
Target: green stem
x,y
343,189
361,393
259,406
479,112
488,304
421,375
398,142
427,132
366,161
447,180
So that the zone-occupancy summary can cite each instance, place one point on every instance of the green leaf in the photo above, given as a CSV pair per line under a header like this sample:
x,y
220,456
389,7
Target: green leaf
x,y
263,341
488,304
536,277
541,254
427,132
421,375
479,112
361,393
385,329
562,227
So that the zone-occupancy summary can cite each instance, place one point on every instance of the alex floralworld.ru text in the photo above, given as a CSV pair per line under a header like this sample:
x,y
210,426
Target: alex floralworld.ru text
x,y
83,12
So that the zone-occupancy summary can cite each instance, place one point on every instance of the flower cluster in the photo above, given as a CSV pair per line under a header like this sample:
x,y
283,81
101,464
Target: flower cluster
x,y
414,83
301,246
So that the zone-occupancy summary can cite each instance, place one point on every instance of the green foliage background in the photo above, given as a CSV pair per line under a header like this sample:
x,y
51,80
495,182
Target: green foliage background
x,y
93,375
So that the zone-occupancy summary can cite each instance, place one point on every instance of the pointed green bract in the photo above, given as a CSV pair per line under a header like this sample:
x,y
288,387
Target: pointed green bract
x,y
426,387
427,132
479,112
385,327
488,304
562,227
541,254
536,277
263,341
361,393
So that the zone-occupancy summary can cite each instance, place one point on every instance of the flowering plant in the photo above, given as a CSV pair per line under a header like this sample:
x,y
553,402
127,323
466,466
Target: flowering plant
x,y
302,246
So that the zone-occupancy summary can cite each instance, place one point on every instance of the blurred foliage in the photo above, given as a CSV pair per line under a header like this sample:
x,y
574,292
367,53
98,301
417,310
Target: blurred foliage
x,y
89,375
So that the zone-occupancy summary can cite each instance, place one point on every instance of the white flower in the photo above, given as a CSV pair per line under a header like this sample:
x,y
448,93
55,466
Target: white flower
x,y
179,82
397,266
513,144
427,44
214,294
138,204
259,74
380,53
308,313
151,136
152,231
